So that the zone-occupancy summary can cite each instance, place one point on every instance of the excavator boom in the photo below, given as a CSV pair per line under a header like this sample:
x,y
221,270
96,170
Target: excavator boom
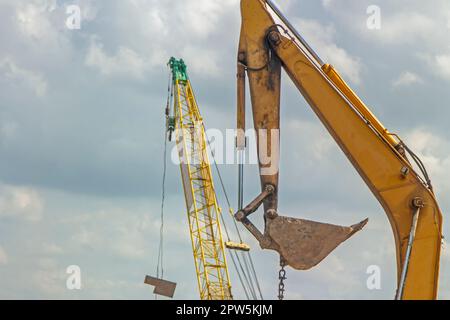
x,y
268,45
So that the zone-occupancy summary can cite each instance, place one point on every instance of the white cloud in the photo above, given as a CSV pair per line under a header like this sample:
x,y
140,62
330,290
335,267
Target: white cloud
x,y
201,60
7,131
406,79
156,37
198,18
405,28
331,278
420,28
52,249
445,264
327,3
107,231
123,238
3,257
318,143
434,152
440,63
401,24
49,278
40,26
445,251
322,40
161,28
202,16
124,62
34,81
32,20
89,10
20,202
34,17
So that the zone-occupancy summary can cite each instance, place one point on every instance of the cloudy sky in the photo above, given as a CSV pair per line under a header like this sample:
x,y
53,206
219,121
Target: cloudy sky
x,y
82,135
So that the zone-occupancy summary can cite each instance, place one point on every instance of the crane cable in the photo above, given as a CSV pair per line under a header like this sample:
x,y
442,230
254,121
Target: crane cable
x,y
247,275
248,286
160,263
160,266
234,258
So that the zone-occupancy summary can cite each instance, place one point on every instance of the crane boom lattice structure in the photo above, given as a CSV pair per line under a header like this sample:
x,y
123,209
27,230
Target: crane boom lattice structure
x,y
202,208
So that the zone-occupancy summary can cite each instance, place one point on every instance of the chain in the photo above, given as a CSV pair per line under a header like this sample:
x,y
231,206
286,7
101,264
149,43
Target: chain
x,y
281,277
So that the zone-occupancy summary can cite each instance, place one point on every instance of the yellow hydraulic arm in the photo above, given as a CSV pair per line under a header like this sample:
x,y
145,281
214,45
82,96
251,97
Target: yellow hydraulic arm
x,y
268,42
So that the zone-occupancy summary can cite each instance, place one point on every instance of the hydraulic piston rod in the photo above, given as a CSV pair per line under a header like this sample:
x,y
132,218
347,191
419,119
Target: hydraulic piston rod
x,y
417,204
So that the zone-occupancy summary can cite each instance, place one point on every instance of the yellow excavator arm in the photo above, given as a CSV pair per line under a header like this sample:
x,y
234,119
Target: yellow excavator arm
x,y
268,43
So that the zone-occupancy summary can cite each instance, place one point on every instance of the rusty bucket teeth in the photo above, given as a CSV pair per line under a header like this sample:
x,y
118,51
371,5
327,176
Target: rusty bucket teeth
x,y
303,243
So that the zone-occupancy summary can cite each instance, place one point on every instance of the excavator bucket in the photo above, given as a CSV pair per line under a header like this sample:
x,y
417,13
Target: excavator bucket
x,y
303,243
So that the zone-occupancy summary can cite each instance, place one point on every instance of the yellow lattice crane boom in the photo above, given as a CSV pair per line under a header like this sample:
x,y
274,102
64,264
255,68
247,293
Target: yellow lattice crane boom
x,y
202,208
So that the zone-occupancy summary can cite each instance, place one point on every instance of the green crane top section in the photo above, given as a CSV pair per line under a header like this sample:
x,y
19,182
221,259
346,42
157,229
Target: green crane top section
x,y
179,69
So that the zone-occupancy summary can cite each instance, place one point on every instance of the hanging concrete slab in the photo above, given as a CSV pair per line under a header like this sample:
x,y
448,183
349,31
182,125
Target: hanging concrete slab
x,y
162,287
